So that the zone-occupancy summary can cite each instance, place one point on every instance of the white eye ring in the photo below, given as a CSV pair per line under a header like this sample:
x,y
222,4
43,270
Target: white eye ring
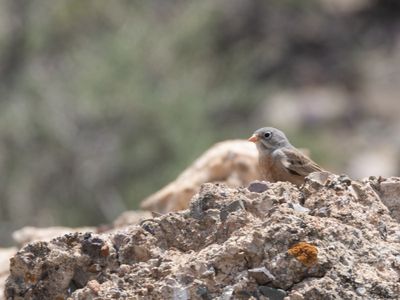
x,y
268,134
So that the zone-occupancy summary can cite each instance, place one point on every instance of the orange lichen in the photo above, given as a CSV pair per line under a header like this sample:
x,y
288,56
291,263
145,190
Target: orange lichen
x,y
306,253
30,277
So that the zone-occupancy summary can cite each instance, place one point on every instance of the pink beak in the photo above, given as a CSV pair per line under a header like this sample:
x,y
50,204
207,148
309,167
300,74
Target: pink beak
x,y
254,138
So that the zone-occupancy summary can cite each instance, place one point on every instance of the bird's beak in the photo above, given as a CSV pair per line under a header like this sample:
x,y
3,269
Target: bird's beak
x,y
253,138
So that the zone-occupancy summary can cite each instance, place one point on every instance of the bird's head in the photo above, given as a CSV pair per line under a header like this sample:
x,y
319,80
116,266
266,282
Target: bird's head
x,y
269,139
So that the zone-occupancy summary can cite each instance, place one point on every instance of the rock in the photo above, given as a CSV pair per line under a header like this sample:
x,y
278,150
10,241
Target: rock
x,y
295,296
30,234
227,293
258,186
272,293
361,291
5,255
261,275
389,192
299,208
131,217
231,243
94,286
344,179
233,162
318,178
231,207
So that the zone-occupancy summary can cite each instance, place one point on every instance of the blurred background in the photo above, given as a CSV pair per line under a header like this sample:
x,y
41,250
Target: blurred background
x,y
104,102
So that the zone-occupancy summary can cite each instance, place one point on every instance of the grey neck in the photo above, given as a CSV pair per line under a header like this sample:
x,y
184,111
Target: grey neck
x,y
269,149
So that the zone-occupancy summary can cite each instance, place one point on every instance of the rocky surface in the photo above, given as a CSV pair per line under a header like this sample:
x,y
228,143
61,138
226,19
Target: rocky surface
x,y
30,234
332,238
5,255
233,162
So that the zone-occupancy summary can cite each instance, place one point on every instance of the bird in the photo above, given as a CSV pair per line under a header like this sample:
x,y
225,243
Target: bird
x,y
279,160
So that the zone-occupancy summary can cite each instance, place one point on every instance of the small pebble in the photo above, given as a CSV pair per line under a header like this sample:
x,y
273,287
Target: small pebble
x,y
361,290
258,187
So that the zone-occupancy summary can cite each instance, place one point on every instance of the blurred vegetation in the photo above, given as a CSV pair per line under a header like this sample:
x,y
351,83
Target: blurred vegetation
x,y
103,102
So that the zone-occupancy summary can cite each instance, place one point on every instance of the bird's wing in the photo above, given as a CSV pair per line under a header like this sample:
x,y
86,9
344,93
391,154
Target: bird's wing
x,y
297,163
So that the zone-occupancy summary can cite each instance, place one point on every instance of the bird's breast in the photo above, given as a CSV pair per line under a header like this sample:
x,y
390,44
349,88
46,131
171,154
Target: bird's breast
x,y
266,164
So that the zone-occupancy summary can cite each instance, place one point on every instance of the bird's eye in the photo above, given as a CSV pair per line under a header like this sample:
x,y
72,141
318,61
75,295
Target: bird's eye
x,y
268,134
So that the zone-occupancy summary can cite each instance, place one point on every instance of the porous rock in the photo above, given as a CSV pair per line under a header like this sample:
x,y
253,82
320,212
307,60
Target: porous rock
x,y
5,254
389,192
30,234
230,244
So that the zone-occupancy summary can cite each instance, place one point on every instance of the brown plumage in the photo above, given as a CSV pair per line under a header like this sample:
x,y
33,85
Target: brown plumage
x,y
279,160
